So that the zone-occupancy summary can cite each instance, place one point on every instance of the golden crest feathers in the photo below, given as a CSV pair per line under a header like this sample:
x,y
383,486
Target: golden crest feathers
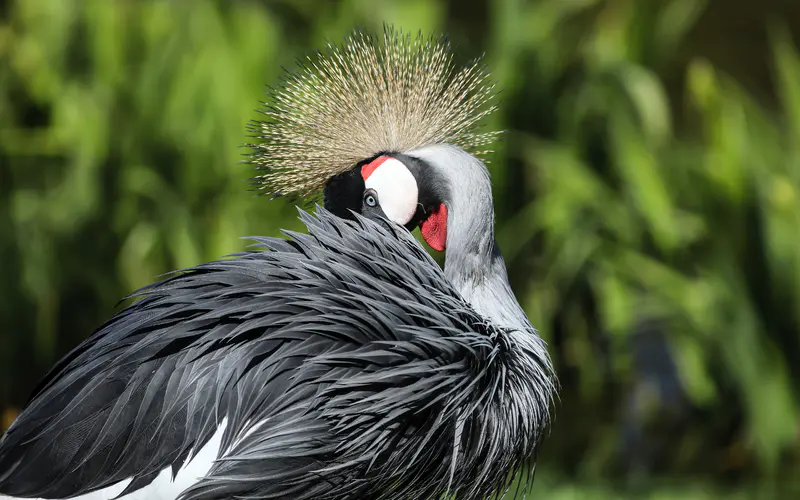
x,y
365,97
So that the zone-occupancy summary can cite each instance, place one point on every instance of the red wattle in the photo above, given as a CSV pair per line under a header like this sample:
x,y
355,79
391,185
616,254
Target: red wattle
x,y
367,169
434,228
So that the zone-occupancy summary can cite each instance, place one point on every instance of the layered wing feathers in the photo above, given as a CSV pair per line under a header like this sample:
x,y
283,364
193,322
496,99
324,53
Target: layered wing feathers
x,y
341,361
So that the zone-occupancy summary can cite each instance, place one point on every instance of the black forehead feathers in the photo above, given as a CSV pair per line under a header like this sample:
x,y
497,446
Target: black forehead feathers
x,y
343,192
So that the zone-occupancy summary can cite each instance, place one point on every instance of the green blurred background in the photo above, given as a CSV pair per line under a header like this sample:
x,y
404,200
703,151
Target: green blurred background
x,y
647,191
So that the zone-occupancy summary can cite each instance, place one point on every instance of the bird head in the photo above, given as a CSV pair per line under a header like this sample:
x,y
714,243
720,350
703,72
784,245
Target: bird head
x,y
408,191
348,120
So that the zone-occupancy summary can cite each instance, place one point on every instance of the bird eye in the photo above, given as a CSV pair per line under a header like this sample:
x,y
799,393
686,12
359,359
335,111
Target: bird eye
x,y
370,199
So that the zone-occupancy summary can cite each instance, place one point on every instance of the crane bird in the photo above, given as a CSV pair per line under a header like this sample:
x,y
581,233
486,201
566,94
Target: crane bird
x,y
341,363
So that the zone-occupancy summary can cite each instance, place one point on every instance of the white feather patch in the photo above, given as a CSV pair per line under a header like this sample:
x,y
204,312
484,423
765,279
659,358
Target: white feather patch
x,y
397,190
163,487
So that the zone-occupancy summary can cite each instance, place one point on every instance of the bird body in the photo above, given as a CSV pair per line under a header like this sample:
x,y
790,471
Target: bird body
x,y
316,367
339,364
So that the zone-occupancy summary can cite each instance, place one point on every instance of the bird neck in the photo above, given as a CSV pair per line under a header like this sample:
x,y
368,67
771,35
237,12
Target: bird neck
x,y
473,263
475,266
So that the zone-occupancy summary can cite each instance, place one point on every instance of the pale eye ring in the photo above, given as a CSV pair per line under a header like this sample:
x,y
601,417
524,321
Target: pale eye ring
x,y
371,198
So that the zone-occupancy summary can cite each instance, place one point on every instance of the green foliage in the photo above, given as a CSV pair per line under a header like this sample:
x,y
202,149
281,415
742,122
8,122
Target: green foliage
x,y
626,204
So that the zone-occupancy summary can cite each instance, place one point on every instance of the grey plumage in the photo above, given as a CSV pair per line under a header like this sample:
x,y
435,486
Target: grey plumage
x,y
343,363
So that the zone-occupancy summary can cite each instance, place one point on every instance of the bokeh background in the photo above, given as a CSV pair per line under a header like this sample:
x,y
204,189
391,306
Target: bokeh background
x,y
647,192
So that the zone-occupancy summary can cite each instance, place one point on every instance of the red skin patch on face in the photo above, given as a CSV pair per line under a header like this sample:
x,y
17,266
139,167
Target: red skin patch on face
x,y
367,169
434,228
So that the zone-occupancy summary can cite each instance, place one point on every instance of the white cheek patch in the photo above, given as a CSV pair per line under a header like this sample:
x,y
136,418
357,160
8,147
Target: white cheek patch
x,y
396,187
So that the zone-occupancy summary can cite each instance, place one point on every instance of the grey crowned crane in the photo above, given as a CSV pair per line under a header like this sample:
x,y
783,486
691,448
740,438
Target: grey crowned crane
x,y
338,364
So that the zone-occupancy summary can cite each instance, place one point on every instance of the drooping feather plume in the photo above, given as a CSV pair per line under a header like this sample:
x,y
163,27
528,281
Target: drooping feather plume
x,y
365,97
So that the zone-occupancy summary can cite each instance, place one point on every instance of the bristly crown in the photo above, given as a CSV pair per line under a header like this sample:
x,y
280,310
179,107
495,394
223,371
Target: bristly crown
x,y
365,97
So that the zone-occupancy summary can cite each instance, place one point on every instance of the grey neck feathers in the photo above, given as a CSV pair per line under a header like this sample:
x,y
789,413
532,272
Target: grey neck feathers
x,y
473,263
